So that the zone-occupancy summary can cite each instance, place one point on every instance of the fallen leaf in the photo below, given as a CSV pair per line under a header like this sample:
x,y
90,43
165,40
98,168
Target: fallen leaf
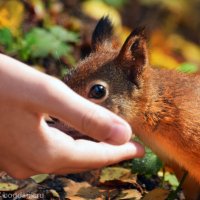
x,y
40,178
89,193
73,187
8,187
28,191
54,193
157,194
113,173
131,194
171,179
75,198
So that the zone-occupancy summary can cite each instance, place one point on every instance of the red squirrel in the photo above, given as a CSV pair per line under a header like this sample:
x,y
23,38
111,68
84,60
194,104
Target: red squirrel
x,y
162,106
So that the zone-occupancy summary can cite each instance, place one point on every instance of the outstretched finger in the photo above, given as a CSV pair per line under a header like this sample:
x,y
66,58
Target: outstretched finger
x,y
82,154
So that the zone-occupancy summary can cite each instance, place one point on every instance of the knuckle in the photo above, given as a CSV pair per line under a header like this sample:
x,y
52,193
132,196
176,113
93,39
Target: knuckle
x,y
53,82
111,156
87,121
49,84
94,124
106,161
106,158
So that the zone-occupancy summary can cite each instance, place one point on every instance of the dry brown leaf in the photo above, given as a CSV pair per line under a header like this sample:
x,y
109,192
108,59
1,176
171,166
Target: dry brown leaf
x,y
73,187
75,198
114,173
131,194
157,194
31,188
89,193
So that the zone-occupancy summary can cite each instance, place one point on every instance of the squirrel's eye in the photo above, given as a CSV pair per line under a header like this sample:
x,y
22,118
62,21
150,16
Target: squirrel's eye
x,y
97,91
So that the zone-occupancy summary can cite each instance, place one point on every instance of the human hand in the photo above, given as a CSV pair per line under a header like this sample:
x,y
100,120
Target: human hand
x,y
29,146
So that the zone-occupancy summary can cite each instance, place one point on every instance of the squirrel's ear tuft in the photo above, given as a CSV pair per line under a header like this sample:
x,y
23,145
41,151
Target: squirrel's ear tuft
x,y
103,32
133,53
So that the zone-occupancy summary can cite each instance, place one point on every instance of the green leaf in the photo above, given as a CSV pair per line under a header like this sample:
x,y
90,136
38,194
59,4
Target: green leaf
x,y
148,165
39,178
7,187
171,179
61,49
6,38
40,43
64,35
188,68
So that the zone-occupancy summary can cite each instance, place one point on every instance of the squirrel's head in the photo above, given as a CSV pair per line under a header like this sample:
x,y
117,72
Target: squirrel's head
x,y
112,76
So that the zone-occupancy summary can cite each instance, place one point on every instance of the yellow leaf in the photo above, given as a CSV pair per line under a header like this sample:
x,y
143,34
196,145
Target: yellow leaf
x,y
190,51
7,187
161,59
40,177
96,9
113,173
54,193
11,15
131,194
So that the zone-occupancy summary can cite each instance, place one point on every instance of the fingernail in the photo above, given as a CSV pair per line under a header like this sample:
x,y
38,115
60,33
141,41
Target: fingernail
x,y
137,149
119,133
